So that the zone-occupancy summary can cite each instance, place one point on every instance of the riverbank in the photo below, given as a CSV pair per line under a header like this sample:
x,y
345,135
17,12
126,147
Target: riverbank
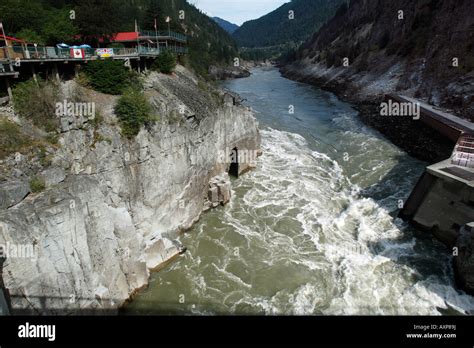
x,y
414,137
222,73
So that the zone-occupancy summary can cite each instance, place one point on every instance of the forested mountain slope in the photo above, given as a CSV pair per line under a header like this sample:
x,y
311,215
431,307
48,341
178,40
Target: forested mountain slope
x,y
276,28
226,25
422,48
50,22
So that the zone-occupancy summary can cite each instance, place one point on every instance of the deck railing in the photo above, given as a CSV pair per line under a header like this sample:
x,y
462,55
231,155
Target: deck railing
x,y
40,52
164,35
118,52
54,53
463,154
156,51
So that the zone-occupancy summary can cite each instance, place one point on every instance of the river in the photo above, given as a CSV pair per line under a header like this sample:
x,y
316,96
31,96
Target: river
x,y
313,230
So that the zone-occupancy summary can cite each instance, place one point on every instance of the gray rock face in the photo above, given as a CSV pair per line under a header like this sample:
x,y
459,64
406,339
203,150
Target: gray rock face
x,y
221,73
53,176
12,193
97,235
464,262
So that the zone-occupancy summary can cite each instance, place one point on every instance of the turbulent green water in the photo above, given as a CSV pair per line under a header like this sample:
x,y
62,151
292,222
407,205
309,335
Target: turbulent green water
x,y
313,229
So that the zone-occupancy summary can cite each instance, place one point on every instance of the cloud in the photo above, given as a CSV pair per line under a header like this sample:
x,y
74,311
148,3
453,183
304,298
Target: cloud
x,y
237,11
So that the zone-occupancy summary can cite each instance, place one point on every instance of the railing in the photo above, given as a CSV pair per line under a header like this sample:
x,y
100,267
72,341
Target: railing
x,y
53,53
148,50
125,52
17,52
156,51
464,152
164,34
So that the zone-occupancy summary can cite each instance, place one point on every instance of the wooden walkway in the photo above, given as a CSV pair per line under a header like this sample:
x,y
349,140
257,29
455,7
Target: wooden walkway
x,y
13,59
19,55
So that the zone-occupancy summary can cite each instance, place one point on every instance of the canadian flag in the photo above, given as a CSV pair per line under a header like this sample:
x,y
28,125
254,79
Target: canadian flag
x,y
77,53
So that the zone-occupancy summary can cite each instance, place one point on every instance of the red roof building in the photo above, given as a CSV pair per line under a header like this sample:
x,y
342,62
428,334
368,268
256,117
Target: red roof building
x,y
10,40
131,36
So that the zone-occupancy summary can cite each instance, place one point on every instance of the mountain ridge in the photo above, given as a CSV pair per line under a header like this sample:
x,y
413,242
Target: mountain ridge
x,y
226,25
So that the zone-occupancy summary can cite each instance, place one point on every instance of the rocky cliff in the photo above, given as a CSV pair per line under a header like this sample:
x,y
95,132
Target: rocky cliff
x,y
417,48
113,208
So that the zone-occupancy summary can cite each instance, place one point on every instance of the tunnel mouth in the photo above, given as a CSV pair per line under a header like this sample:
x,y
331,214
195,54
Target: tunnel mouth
x,y
234,163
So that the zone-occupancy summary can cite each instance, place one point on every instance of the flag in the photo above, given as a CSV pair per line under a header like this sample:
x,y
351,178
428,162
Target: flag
x,y
77,53
168,19
156,25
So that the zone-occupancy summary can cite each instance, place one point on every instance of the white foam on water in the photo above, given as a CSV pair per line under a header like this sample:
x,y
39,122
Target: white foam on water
x,y
312,239
362,245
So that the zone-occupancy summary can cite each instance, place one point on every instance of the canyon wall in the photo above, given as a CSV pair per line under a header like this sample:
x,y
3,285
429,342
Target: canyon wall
x,y
113,207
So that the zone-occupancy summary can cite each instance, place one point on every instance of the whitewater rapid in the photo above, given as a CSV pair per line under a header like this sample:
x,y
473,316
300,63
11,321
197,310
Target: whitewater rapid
x,y
313,230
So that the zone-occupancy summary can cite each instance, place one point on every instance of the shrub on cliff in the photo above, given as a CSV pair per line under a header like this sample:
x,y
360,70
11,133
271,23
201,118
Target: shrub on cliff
x,y
37,185
36,101
165,62
133,111
107,76
11,138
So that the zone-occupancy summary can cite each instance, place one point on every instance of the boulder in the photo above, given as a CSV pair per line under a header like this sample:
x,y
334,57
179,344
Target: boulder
x,y
220,190
214,196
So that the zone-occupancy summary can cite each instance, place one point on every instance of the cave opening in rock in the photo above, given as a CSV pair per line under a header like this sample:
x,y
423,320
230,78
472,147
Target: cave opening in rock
x,y
234,163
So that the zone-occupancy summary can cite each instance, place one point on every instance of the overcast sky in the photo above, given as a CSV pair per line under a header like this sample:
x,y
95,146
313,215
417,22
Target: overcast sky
x,y
237,11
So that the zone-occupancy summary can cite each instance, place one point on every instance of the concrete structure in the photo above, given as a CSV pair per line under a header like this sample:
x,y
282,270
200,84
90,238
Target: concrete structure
x,y
443,200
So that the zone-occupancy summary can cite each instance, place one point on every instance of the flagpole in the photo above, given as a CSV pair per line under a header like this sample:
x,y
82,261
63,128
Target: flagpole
x,y
156,31
138,39
168,20
5,39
